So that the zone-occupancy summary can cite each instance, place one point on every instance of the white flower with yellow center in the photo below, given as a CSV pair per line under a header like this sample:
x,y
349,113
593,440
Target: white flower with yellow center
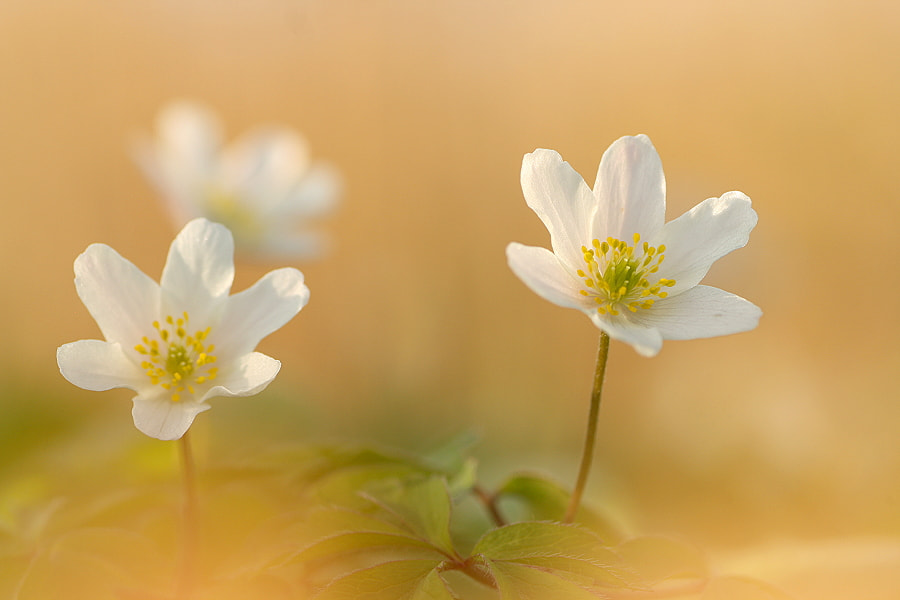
x,y
182,341
263,186
615,258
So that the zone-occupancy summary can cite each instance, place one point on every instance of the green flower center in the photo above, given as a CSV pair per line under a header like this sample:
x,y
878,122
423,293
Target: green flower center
x,y
226,208
175,360
615,278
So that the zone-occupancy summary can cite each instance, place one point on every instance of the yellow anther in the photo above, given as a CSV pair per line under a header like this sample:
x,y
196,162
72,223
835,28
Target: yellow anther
x,y
183,357
617,274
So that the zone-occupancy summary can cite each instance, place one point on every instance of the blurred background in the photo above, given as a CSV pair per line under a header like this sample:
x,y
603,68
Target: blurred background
x,y
776,450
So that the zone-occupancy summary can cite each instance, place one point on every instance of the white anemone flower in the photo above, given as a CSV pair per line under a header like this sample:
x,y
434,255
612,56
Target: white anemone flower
x,y
614,257
263,186
182,341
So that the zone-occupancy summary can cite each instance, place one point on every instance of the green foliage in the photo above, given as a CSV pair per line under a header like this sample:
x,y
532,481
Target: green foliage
x,y
541,556
535,498
328,523
395,580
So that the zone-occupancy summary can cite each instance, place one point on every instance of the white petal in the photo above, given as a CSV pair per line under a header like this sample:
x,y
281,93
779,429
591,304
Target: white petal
x,y
562,200
285,246
541,271
122,299
247,376
701,312
315,194
259,310
198,272
265,165
182,161
189,137
630,190
699,237
98,366
647,341
159,417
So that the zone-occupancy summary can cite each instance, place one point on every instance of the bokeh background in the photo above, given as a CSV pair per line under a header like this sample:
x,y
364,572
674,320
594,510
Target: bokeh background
x,y
776,450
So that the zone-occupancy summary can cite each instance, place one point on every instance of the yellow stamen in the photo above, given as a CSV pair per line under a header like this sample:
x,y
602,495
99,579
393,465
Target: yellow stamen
x,y
614,277
176,361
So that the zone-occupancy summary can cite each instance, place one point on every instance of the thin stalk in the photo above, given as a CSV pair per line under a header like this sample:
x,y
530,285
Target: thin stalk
x,y
189,530
490,503
588,456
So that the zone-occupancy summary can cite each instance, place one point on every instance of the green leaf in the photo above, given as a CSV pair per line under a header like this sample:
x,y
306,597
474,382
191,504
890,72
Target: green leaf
x,y
464,478
420,507
396,580
537,498
343,486
451,456
543,554
360,541
541,539
657,559
523,582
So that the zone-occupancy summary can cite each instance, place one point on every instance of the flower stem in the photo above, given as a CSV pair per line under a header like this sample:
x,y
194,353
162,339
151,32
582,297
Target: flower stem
x,y
588,456
189,531
490,503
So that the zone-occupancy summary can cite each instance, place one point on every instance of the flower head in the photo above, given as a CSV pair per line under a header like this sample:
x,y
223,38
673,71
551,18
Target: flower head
x,y
182,341
614,257
263,186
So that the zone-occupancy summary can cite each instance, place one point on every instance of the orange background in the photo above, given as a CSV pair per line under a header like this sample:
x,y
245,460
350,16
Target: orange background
x,y
416,328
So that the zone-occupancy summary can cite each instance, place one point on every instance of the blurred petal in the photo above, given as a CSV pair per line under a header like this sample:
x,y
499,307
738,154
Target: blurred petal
x,y
314,195
122,299
199,271
247,376
704,234
308,244
541,271
265,165
630,190
98,366
189,136
561,199
159,417
701,312
261,309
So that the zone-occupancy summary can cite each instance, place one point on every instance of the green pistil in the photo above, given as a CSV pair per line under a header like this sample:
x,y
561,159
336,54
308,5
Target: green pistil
x,y
184,354
615,278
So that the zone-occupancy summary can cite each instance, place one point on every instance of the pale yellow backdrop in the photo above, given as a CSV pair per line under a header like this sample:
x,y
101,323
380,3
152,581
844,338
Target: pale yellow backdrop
x,y
427,109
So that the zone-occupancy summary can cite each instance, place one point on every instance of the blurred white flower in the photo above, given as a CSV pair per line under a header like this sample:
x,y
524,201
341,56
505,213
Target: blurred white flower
x,y
614,257
182,341
263,186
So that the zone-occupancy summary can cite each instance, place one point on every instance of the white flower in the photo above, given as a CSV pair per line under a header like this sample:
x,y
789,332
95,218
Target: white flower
x,y
182,341
263,186
614,257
